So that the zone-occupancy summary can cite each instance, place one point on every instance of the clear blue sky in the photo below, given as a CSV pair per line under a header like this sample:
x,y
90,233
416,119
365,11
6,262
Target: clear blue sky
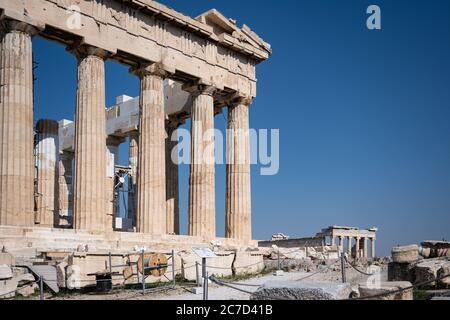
x,y
364,116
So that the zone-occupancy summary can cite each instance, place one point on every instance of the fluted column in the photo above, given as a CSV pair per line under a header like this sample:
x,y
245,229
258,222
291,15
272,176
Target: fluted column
x,y
151,203
349,248
172,188
90,142
357,248
132,180
65,190
365,253
16,124
238,224
341,244
202,207
373,248
47,157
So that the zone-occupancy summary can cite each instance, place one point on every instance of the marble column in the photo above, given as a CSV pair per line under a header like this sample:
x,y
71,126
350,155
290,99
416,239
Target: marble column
x,y
16,124
349,248
47,154
333,240
238,222
202,207
341,244
112,159
373,248
65,190
172,188
132,180
365,248
151,201
357,247
90,142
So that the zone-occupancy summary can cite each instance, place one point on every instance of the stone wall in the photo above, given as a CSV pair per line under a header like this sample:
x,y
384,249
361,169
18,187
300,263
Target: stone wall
x,y
293,243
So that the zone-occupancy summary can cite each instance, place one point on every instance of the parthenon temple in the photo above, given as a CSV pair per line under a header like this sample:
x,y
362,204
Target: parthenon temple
x,y
61,175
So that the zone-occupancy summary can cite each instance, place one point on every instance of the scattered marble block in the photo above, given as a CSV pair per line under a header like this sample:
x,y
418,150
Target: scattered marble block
x,y
405,254
384,288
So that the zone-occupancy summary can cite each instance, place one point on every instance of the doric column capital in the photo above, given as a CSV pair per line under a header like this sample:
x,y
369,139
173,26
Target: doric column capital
x,y
82,51
10,25
237,99
241,100
200,87
150,69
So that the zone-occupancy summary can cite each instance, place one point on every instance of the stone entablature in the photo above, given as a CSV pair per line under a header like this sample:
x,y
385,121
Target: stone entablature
x,y
209,48
312,242
338,231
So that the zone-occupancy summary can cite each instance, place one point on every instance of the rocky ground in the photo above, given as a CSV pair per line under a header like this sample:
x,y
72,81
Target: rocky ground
x,y
216,292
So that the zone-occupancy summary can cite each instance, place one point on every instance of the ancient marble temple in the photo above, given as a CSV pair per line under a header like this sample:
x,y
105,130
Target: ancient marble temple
x,y
188,68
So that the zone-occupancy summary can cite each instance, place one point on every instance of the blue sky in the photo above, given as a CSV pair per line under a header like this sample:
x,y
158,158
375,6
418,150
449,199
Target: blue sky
x,y
363,115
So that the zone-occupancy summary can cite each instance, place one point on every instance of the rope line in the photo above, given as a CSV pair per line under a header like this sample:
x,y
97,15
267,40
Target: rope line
x,y
241,284
311,275
318,271
354,267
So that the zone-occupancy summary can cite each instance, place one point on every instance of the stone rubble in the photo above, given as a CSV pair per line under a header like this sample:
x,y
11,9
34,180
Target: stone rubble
x,y
435,249
16,281
421,264
302,291
384,288
428,270
444,270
